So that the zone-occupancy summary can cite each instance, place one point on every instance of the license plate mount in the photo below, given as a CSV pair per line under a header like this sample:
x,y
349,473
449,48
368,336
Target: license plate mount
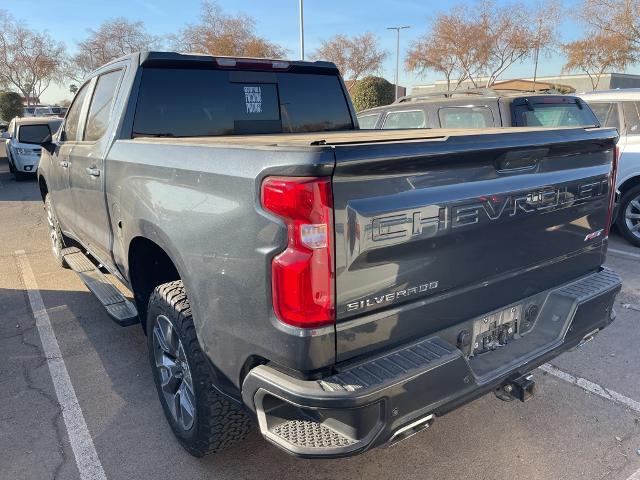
x,y
496,330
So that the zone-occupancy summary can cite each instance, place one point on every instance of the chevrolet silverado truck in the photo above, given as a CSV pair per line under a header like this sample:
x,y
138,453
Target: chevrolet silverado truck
x,y
338,287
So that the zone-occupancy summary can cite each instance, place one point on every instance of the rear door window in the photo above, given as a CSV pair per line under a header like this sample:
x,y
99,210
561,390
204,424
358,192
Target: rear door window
x,y
101,103
465,117
368,122
404,119
607,113
197,102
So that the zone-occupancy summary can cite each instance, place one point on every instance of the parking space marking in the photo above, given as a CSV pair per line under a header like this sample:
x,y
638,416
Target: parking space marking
x,y
623,253
592,387
82,445
635,475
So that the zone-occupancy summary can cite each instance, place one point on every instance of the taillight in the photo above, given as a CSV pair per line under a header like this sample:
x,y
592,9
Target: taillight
x,y
612,190
302,276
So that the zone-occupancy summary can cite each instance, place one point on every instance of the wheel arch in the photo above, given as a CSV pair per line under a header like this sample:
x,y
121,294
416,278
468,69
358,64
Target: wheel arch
x,y
149,265
628,184
42,185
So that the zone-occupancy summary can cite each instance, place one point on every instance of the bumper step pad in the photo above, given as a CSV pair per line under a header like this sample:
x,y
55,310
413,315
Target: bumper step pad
x,y
121,310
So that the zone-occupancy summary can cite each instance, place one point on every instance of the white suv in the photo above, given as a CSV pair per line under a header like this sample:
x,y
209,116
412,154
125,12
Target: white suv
x,y
621,109
23,142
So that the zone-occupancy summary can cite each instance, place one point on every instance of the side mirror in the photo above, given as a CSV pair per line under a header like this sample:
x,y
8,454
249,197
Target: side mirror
x,y
48,145
5,135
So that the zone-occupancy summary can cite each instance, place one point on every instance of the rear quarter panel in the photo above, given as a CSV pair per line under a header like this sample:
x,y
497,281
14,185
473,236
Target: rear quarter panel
x,y
201,205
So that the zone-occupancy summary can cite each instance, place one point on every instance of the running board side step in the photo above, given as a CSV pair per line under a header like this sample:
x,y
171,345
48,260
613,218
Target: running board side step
x,y
121,310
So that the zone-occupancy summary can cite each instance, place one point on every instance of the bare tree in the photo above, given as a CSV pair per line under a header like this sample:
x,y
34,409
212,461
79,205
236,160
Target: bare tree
x,y
614,18
355,57
113,39
483,39
598,54
513,32
218,33
29,61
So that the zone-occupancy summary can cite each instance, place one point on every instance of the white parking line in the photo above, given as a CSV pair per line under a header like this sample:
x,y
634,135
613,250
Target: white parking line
x,y
623,253
592,387
635,475
82,445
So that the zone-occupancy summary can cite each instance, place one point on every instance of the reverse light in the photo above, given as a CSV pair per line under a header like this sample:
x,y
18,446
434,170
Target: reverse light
x,y
612,190
302,275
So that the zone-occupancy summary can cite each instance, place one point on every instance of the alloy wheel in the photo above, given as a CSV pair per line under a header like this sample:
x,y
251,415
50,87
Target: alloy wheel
x,y
174,372
632,216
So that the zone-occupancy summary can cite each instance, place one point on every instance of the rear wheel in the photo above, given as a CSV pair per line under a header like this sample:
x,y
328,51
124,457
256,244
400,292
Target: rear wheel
x,y
202,419
55,234
628,221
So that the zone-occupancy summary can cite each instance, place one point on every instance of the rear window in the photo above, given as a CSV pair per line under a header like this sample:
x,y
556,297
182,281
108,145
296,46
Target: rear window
x,y
36,133
368,122
404,119
553,113
196,102
465,117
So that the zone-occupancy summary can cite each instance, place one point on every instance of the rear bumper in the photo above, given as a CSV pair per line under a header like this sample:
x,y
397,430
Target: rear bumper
x,y
380,400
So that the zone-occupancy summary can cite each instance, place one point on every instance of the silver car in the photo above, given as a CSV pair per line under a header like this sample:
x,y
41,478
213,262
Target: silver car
x,y
23,142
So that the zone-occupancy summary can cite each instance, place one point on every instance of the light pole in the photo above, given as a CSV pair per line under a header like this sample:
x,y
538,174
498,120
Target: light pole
x,y
397,29
301,29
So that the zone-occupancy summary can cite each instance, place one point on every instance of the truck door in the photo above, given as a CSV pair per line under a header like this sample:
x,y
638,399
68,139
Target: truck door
x,y
87,168
67,139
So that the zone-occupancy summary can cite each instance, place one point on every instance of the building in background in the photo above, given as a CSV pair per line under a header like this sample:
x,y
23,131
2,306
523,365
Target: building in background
x,y
577,83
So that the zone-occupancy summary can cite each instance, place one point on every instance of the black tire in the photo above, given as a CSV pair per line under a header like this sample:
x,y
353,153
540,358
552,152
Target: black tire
x,y
217,423
56,237
629,205
11,167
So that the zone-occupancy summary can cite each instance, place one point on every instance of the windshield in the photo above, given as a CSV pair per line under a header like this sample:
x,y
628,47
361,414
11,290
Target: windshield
x,y
195,102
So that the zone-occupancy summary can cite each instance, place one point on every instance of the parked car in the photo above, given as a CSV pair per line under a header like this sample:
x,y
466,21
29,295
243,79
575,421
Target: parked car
x,y
620,109
23,142
59,111
341,288
481,108
3,128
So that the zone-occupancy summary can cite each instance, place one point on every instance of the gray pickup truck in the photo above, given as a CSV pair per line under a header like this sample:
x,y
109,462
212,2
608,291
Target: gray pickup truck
x,y
340,288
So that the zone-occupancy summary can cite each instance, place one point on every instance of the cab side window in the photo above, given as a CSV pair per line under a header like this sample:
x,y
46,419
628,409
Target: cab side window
x,y
100,108
73,116
405,119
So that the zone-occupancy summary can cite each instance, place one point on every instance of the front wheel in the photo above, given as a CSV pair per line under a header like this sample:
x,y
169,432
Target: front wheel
x,y
628,221
203,420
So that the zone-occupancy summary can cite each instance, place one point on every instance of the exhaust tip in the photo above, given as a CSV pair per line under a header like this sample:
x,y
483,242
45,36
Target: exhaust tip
x,y
411,429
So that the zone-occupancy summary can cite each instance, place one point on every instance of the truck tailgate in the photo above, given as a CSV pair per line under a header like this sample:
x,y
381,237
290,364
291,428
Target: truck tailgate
x,y
430,233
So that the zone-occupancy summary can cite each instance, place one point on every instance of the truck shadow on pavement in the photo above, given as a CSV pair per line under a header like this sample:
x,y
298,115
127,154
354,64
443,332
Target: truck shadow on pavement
x,y
110,372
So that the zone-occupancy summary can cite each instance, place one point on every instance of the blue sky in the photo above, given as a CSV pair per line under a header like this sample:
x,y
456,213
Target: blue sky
x,y
277,20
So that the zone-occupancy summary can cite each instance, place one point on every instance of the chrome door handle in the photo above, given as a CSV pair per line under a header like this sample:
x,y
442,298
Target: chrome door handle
x,y
64,163
94,172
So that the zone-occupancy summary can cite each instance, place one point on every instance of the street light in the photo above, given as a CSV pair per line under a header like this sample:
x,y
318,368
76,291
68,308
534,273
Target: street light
x,y
397,29
301,29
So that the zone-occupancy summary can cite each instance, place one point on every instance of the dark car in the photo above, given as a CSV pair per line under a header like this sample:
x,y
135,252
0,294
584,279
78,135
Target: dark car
x,y
481,108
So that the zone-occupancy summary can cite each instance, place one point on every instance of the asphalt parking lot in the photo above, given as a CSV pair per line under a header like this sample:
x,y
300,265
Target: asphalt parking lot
x,y
584,422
